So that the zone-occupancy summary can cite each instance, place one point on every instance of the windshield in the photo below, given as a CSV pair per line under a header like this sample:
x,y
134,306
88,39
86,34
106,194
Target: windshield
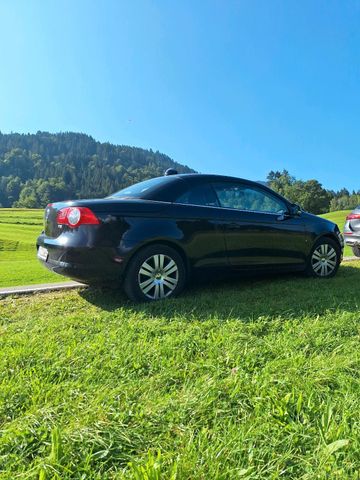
x,y
142,189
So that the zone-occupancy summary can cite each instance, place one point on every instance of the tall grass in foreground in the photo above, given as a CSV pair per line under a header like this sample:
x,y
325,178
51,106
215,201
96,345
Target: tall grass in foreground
x,y
253,379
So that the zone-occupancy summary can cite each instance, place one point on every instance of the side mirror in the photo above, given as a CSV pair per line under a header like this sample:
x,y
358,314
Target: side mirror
x,y
295,210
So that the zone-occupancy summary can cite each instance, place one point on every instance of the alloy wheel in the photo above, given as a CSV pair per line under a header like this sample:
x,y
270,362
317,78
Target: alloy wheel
x,y
324,260
158,276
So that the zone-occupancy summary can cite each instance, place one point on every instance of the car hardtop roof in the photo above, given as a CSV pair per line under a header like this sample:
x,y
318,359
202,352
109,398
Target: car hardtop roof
x,y
197,177
214,176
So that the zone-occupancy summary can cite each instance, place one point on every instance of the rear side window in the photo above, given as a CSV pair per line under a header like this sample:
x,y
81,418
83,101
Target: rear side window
x,y
202,195
145,189
245,197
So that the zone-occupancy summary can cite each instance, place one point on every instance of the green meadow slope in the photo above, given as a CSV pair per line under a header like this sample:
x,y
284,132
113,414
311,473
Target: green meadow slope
x,y
253,379
339,218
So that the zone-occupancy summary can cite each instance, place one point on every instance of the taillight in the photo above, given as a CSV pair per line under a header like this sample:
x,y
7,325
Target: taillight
x,y
76,216
353,216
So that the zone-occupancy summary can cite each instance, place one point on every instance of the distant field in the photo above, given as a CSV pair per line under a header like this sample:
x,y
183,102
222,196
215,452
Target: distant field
x,y
19,229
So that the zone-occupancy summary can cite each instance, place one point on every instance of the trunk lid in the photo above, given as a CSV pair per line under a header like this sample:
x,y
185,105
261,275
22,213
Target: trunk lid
x,y
101,208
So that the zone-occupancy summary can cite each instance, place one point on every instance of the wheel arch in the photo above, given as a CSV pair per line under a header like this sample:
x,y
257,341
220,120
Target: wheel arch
x,y
168,243
329,235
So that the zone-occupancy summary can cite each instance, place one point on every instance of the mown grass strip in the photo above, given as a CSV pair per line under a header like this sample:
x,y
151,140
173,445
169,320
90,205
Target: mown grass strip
x,y
19,229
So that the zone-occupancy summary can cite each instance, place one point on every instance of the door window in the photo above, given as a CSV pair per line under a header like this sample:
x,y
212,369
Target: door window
x,y
202,195
244,197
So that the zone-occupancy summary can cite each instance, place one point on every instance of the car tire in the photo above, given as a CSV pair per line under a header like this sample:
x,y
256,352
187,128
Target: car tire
x,y
356,250
154,273
324,259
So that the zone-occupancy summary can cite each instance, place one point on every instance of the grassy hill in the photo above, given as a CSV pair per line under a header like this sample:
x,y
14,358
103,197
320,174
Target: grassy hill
x,y
256,380
339,218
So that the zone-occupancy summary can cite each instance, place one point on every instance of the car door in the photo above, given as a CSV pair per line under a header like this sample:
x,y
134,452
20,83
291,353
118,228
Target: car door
x,y
258,229
200,223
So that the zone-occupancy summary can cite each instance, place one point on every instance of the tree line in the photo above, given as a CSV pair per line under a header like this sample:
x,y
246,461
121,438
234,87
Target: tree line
x,y
36,169
311,195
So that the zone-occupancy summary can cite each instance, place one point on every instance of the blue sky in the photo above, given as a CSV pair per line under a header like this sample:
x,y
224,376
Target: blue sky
x,y
233,87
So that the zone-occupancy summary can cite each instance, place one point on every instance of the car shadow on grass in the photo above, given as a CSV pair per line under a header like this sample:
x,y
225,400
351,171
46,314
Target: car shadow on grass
x,y
245,298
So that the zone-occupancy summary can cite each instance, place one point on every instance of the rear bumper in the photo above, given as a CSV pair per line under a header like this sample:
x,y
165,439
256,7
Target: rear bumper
x,y
92,265
352,240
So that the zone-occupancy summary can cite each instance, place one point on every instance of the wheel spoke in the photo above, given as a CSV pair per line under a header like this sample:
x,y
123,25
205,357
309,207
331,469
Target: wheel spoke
x,y
148,267
156,261
147,282
170,279
169,272
316,255
145,272
157,291
169,265
148,287
317,267
171,286
162,293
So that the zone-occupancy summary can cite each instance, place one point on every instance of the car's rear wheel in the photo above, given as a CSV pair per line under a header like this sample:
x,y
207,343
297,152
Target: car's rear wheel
x,y
324,259
154,273
356,251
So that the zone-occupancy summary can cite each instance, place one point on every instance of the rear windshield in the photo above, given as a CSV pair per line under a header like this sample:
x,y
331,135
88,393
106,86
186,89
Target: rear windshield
x,y
143,189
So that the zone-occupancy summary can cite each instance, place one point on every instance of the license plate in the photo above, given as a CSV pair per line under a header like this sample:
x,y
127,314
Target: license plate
x,y
43,253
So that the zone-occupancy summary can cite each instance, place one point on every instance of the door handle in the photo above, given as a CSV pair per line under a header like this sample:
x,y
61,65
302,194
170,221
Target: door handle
x,y
282,217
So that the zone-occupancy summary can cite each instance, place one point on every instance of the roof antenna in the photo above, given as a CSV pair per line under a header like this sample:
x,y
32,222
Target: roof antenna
x,y
170,171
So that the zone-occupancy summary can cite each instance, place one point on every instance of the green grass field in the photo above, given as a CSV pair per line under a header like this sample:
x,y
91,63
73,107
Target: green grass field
x,y
253,379
19,229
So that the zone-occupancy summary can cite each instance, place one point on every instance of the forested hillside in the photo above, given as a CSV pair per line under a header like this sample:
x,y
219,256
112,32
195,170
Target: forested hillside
x,y
36,169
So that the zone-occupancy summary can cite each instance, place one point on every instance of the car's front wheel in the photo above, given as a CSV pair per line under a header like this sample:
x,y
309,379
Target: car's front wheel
x,y
154,273
356,250
324,259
